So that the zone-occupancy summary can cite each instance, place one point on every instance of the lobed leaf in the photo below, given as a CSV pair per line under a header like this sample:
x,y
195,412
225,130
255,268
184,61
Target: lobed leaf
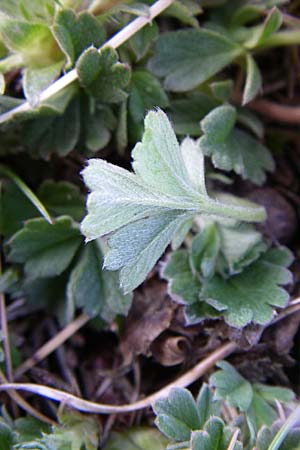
x,y
177,414
234,150
252,294
100,73
232,387
45,250
148,207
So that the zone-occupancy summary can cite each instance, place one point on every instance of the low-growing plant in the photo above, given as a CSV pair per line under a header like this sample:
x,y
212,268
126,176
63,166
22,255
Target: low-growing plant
x,y
174,82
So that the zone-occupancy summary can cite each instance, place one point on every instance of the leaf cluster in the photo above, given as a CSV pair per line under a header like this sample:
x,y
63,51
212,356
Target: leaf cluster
x,y
200,424
51,260
149,207
215,276
74,432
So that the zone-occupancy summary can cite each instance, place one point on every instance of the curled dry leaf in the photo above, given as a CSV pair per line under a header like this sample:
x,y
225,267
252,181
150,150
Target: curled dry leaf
x,y
170,350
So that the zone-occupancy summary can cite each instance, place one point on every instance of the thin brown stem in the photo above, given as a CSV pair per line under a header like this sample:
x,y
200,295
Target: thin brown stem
x,y
274,111
91,407
24,405
52,344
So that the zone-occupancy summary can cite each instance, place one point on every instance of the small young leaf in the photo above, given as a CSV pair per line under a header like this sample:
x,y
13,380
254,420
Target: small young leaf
x,y
270,26
45,250
213,436
218,124
237,150
207,405
232,387
253,81
249,296
177,414
187,58
205,250
100,73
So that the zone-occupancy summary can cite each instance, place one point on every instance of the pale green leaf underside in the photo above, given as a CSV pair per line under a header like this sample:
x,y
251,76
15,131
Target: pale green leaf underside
x,y
144,210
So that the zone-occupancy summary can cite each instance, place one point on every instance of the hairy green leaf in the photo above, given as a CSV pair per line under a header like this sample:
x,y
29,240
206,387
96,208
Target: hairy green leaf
x,y
148,208
45,250
232,387
187,58
102,75
207,404
213,250
177,415
252,294
234,150
213,436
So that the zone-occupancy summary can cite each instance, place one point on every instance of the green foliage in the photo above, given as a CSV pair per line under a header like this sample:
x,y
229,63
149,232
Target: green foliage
x,y
213,436
247,296
75,33
234,149
74,432
45,257
60,272
199,424
136,439
101,74
187,58
216,276
148,208
227,270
